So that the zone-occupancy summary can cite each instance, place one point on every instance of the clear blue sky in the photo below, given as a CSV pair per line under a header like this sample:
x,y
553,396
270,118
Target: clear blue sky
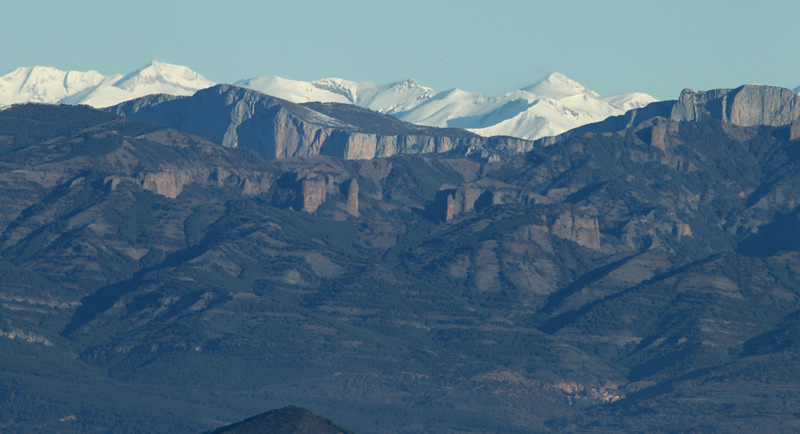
x,y
492,47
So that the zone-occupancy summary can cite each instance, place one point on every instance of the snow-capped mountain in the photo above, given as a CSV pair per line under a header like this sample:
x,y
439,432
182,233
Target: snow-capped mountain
x,y
50,85
46,85
384,98
551,106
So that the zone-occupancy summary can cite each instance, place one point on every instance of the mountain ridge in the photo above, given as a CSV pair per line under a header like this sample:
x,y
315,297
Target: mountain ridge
x,y
515,113
276,128
457,108
746,105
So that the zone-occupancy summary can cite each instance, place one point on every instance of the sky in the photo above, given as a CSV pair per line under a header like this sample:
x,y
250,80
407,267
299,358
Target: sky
x,y
491,47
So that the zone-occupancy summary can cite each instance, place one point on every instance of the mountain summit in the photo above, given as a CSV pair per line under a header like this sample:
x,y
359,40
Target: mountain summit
x,y
551,106
50,85
44,84
159,77
558,86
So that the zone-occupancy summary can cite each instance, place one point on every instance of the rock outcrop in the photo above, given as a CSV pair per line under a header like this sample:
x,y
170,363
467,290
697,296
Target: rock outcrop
x,y
748,105
582,230
352,198
794,130
171,180
314,194
449,202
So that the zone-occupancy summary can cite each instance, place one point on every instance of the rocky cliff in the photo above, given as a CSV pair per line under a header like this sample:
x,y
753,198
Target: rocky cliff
x,y
275,128
582,230
748,105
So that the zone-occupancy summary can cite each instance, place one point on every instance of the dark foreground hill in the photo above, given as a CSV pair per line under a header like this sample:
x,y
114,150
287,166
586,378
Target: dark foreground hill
x,y
286,420
637,280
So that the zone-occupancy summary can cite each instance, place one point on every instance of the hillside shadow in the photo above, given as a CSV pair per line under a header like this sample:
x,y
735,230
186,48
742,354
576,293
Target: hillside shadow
x,y
783,234
106,297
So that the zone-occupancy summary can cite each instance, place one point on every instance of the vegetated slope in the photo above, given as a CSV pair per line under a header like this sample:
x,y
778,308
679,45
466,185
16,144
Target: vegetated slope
x,y
276,128
286,420
635,280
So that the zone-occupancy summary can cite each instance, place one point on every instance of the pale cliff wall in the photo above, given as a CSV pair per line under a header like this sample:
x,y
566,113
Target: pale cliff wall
x,y
274,128
747,105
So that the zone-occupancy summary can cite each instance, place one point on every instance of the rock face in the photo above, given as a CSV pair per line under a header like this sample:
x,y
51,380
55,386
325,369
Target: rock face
x,y
275,128
313,191
582,230
352,198
794,130
748,105
449,203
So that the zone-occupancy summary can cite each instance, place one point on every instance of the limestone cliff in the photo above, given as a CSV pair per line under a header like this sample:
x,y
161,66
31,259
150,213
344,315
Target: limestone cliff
x,y
239,118
314,194
582,230
352,198
171,180
748,105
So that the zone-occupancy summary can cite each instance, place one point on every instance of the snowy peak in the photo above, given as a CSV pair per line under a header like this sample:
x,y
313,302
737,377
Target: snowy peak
x,y
558,86
629,101
345,88
293,90
158,75
551,106
44,84
410,84
384,98
153,78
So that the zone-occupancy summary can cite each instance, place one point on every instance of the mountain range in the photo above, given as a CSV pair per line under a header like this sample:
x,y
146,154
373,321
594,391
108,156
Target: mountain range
x,y
635,275
551,106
